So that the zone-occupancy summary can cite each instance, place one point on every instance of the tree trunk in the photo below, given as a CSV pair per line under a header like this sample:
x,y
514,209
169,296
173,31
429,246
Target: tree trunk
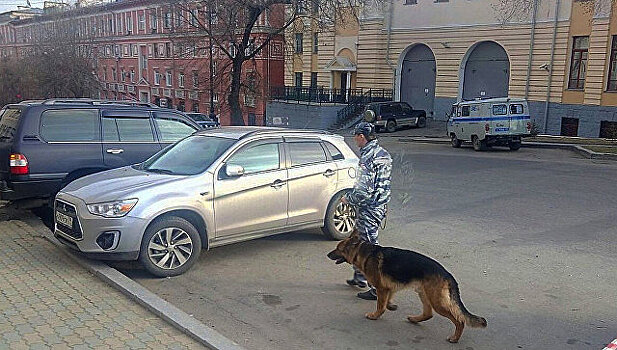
x,y
234,95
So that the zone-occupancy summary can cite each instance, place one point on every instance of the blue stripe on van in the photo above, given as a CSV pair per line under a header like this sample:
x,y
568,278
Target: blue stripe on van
x,y
489,119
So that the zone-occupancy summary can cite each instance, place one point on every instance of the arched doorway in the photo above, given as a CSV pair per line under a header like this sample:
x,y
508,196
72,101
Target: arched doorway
x,y
418,75
485,71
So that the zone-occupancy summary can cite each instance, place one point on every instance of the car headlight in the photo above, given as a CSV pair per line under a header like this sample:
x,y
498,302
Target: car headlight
x,y
113,209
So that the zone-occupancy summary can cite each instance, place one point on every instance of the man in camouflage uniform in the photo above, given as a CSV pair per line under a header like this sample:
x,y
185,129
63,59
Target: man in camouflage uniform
x,y
370,194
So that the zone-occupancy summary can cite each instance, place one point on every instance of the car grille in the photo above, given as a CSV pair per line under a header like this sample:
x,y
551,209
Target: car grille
x,y
69,210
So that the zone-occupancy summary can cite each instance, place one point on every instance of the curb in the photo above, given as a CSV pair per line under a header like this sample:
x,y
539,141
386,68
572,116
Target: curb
x,y
571,147
152,302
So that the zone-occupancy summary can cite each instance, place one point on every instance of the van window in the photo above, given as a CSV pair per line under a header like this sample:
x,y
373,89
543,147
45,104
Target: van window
x,y
516,109
127,130
500,110
70,125
303,153
465,111
406,109
9,118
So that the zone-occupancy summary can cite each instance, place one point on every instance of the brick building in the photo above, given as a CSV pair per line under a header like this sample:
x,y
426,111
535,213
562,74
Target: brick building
x,y
149,50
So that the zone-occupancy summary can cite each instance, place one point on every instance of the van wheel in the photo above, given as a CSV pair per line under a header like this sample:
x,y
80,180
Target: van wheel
x,y
421,122
478,145
514,146
391,126
340,219
456,143
170,247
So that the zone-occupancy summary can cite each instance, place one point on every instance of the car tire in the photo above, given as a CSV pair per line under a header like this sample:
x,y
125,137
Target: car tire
x,y
340,219
421,122
169,262
391,126
478,145
514,146
454,141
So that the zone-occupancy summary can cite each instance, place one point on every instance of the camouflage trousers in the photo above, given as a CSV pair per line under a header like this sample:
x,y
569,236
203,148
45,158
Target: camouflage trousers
x,y
368,221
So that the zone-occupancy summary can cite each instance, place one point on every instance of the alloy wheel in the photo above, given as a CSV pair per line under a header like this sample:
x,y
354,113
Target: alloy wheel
x,y
344,218
170,248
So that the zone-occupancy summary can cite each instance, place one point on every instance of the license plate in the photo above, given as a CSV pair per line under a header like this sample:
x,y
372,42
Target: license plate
x,y
64,219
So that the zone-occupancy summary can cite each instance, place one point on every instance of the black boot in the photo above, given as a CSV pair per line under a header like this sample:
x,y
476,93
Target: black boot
x,y
355,282
368,295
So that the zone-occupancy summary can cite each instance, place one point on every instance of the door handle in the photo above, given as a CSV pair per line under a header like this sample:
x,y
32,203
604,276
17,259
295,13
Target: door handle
x,y
115,151
329,173
277,184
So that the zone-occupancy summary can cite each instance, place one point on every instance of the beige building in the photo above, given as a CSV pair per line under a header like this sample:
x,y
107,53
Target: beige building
x,y
559,54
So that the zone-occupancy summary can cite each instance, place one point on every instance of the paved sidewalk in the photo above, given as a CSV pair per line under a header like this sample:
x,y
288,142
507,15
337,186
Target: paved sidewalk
x,y
49,301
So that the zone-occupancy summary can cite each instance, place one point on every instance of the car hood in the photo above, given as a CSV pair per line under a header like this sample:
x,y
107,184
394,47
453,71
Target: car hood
x,y
121,183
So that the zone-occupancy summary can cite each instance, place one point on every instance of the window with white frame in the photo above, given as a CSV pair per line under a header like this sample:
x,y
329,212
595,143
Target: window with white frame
x,y
167,20
193,17
132,75
157,77
168,78
142,21
153,20
195,79
129,23
181,80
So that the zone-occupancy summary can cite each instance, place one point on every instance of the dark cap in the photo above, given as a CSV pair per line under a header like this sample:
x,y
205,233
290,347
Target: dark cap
x,y
364,128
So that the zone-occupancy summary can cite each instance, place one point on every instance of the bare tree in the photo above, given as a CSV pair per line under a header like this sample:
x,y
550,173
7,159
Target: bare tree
x,y
240,36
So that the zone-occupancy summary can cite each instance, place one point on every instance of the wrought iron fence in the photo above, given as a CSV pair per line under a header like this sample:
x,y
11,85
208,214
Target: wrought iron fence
x,y
326,95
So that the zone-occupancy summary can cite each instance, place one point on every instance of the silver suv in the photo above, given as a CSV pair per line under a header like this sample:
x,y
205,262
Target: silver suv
x,y
216,187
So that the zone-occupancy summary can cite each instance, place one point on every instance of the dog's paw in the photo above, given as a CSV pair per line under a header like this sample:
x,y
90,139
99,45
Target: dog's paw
x,y
412,319
372,315
453,340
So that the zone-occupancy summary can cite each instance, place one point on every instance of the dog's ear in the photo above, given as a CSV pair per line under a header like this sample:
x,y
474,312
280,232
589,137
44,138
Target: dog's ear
x,y
355,235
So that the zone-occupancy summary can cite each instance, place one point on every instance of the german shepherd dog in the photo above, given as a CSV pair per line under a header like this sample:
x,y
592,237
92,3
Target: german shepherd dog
x,y
391,269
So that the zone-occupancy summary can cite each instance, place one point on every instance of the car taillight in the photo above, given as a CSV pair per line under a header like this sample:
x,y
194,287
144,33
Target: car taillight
x,y
18,164
528,125
378,117
486,127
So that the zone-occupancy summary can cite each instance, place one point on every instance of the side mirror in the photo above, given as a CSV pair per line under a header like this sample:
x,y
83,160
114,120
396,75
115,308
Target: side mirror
x,y
233,170
369,116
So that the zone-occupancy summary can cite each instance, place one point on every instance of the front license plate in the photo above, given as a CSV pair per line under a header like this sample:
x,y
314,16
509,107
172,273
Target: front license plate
x,y
64,219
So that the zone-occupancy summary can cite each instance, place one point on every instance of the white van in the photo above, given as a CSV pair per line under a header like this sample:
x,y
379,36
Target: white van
x,y
491,122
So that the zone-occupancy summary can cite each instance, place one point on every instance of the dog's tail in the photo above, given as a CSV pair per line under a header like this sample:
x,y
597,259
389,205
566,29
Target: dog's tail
x,y
470,319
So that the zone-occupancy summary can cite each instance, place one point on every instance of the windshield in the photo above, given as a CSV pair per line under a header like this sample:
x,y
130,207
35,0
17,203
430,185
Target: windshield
x,y
190,156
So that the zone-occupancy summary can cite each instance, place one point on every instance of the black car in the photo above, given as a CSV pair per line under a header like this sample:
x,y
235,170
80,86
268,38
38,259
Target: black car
x,y
391,115
44,145
203,120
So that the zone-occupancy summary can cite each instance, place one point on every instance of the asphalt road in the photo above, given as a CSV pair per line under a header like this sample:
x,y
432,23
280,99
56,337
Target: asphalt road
x,y
529,235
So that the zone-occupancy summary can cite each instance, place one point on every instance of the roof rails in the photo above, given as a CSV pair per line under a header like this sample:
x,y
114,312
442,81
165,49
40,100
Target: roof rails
x,y
88,101
283,130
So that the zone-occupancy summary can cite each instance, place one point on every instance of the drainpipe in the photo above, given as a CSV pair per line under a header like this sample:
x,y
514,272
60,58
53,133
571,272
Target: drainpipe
x,y
389,33
550,69
531,44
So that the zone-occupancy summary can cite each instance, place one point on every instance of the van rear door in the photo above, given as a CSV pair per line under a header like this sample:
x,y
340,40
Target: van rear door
x,y
518,119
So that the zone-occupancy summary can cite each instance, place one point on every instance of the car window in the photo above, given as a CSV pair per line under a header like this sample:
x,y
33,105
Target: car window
x,y
405,108
173,129
386,109
303,153
190,156
500,110
257,158
397,108
334,152
198,117
70,125
9,118
127,130
465,111
516,109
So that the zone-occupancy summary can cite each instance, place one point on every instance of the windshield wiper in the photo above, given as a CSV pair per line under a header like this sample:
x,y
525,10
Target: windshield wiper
x,y
159,171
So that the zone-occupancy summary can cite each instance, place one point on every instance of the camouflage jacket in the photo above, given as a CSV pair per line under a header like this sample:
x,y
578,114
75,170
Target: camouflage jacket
x,y
372,188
